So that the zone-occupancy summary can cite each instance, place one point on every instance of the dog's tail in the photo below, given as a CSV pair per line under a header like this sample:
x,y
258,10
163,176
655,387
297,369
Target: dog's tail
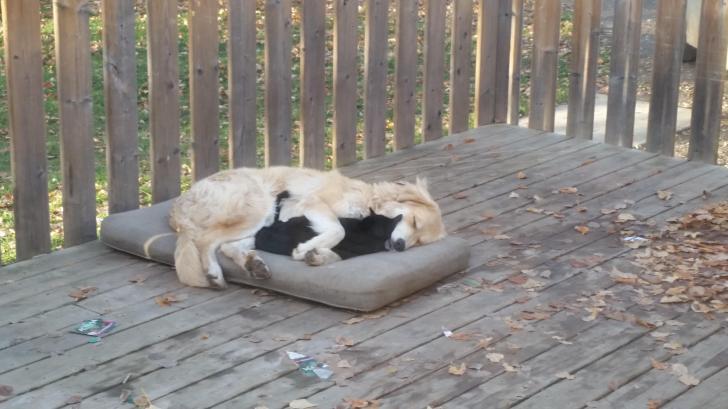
x,y
188,263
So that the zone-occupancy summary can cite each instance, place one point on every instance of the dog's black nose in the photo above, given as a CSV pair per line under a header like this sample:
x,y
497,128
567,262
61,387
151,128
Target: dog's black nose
x,y
399,245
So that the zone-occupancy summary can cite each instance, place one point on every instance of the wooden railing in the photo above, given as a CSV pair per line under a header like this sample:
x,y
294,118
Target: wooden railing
x,y
494,65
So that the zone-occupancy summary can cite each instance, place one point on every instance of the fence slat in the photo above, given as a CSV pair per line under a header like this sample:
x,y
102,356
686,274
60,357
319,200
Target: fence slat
x,y
313,102
23,70
669,43
485,65
405,74
502,61
242,75
345,76
545,61
120,95
623,72
163,98
73,59
277,82
375,78
434,74
583,71
204,84
709,79
514,66
461,65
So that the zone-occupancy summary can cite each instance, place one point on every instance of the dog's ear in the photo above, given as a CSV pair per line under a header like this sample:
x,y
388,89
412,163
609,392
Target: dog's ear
x,y
397,219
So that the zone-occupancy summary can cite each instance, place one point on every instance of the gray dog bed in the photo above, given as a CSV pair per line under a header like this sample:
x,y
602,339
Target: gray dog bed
x,y
362,283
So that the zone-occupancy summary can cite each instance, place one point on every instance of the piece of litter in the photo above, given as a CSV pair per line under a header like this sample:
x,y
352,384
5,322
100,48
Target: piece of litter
x,y
125,395
94,340
95,328
126,378
309,366
446,332
301,404
514,195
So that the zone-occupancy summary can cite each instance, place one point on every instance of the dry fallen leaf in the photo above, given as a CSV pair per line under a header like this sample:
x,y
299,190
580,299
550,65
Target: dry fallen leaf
x,y
361,403
447,147
343,364
301,404
625,217
81,293
565,375
568,190
684,376
582,229
457,370
166,300
502,237
344,341
460,195
462,336
521,175
673,346
661,366
535,210
494,357
469,140
5,390
654,404
664,194
354,320
509,368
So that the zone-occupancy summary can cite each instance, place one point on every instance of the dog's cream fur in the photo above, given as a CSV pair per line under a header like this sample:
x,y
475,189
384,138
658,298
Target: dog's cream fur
x,y
226,209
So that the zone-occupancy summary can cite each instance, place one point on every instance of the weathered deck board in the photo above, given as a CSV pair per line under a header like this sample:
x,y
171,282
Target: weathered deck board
x,y
201,352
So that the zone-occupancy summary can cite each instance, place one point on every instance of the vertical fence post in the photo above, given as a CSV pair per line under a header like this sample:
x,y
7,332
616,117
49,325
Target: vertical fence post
x,y
24,73
669,43
405,74
485,65
583,72
623,72
204,85
120,94
461,65
163,98
434,70
313,107
277,82
514,66
502,61
73,62
544,66
242,75
709,78
375,77
345,76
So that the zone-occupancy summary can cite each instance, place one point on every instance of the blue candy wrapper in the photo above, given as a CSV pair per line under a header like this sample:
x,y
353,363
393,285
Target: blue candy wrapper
x,y
95,328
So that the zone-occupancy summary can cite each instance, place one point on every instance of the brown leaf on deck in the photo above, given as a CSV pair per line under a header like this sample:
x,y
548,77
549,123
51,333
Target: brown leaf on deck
x,y
582,229
654,404
344,341
457,370
167,300
469,140
460,195
81,293
521,175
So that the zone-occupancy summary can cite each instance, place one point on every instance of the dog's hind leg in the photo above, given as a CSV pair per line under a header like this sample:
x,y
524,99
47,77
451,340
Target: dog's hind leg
x,y
242,253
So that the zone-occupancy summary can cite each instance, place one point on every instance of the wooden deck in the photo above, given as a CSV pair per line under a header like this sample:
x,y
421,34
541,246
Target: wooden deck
x,y
537,308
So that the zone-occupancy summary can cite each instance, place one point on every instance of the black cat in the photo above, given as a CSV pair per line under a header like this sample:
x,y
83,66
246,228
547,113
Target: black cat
x,y
362,236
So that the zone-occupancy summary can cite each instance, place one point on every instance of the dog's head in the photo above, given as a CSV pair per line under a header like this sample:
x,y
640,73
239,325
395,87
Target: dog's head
x,y
421,220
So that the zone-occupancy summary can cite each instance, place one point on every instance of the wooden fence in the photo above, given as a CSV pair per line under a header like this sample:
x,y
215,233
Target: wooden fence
x,y
493,65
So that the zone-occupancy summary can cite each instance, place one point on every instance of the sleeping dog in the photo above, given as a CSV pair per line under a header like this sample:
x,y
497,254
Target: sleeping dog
x,y
362,236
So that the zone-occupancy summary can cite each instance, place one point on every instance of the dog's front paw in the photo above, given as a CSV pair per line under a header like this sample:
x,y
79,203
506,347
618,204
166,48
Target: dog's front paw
x,y
257,267
299,253
313,258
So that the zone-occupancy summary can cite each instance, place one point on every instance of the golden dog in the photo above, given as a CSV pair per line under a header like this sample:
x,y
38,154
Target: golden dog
x,y
226,209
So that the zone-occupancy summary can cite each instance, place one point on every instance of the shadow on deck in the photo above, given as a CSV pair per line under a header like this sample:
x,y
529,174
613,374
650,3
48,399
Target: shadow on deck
x,y
541,303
